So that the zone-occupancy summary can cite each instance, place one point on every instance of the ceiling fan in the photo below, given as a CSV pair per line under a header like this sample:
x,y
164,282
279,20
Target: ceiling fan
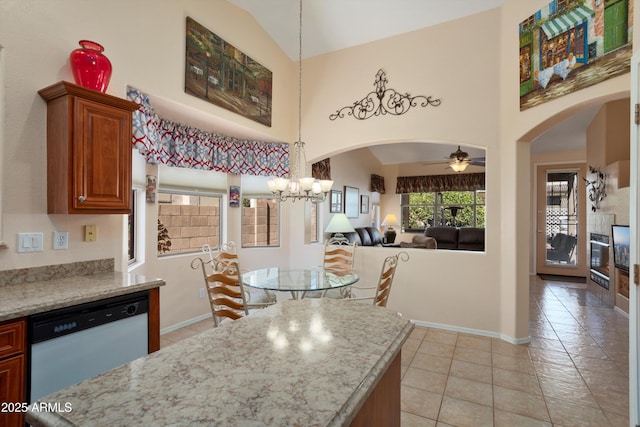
x,y
459,160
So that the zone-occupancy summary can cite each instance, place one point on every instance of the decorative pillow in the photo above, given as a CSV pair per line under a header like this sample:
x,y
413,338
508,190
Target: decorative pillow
x,y
425,242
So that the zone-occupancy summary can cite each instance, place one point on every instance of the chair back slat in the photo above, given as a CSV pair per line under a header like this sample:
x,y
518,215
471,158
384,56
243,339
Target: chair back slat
x,y
229,314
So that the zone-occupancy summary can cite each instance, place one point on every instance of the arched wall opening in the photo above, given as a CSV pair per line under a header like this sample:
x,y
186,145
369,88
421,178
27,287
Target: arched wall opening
x,y
535,134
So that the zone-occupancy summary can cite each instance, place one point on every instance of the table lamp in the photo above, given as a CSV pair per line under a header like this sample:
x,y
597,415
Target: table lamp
x,y
389,221
339,224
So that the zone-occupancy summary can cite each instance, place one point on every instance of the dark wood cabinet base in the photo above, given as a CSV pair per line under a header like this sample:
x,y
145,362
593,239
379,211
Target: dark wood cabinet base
x,y
382,407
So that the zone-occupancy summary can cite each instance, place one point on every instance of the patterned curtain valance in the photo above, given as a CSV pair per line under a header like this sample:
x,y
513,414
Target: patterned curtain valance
x,y
321,169
452,182
377,183
165,142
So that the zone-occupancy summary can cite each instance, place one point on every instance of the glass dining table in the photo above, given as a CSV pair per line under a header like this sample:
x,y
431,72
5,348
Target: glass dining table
x,y
298,281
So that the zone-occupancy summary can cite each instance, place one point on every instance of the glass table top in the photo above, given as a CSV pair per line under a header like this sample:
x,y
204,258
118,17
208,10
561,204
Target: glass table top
x,y
298,280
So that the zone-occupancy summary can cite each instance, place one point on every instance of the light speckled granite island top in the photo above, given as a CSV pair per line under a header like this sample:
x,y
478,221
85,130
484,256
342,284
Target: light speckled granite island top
x,y
306,363
24,299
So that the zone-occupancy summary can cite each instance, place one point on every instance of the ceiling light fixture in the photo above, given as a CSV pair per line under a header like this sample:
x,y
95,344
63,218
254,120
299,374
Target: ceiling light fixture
x,y
296,187
459,160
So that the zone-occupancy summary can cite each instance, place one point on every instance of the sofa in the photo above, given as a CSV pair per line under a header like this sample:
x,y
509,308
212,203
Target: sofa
x,y
365,236
371,236
457,238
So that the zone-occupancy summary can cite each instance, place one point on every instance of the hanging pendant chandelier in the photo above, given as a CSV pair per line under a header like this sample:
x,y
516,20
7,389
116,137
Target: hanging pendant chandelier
x,y
300,186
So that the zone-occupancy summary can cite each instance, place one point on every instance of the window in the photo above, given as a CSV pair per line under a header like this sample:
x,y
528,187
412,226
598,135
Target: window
x,y
453,208
260,222
132,229
187,220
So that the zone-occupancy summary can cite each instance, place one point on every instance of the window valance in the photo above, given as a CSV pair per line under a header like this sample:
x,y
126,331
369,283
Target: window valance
x,y
429,183
377,183
321,169
165,142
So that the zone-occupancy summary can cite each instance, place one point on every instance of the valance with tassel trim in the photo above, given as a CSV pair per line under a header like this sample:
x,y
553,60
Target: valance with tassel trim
x,y
165,142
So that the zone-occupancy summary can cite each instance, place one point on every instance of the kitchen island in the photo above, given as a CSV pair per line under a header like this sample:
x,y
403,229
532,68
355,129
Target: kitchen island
x,y
313,362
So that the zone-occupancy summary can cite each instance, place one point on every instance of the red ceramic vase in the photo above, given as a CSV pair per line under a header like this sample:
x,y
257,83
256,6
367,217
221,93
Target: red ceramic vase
x,y
91,69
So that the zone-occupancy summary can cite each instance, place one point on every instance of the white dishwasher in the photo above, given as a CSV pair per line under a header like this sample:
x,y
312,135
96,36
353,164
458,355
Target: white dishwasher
x,y
75,343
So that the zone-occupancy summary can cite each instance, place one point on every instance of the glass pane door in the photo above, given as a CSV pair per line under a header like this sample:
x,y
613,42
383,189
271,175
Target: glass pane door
x,y
561,217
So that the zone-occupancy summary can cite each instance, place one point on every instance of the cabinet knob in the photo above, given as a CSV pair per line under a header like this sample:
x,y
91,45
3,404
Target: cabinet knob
x,y
81,199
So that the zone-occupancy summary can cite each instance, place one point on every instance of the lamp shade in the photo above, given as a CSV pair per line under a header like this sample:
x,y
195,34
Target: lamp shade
x,y
339,224
390,220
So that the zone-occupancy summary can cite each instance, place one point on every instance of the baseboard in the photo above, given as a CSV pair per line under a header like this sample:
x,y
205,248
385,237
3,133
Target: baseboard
x,y
185,323
621,311
480,332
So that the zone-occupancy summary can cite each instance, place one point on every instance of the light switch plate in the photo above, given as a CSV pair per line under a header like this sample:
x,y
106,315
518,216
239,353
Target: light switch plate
x,y
30,242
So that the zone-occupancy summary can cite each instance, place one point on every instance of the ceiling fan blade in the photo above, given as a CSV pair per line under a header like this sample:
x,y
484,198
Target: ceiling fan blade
x,y
436,162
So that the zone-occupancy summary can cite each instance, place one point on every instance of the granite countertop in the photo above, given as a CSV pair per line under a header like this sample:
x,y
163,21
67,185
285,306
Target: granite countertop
x,y
24,299
311,362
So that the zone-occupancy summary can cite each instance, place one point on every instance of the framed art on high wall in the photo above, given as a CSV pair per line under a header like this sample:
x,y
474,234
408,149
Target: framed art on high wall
x,y
222,74
351,202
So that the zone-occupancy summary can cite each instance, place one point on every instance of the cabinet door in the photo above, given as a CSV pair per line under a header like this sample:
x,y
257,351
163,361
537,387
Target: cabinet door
x,y
101,158
12,391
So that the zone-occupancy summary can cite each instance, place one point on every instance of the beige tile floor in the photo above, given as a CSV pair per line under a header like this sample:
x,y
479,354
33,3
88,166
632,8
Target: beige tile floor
x,y
573,373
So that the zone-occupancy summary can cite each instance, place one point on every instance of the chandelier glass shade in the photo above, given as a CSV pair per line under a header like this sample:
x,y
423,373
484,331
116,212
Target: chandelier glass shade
x,y
300,186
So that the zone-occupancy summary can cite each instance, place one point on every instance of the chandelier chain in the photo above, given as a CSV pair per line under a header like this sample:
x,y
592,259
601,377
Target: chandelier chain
x,y
300,186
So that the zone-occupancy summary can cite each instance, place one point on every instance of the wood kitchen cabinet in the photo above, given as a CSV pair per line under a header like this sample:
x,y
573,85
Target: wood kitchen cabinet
x,y
13,340
88,151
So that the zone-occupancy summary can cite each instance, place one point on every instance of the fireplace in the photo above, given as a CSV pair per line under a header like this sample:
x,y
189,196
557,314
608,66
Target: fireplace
x,y
599,262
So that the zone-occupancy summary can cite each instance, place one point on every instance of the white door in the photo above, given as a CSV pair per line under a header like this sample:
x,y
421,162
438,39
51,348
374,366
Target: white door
x,y
561,220
634,219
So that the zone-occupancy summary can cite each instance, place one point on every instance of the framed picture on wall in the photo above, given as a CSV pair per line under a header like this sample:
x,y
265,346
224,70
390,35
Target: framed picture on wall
x,y
364,204
351,202
336,201
234,196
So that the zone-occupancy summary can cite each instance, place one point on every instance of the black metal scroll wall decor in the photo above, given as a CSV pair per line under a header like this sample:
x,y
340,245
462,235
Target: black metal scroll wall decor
x,y
383,101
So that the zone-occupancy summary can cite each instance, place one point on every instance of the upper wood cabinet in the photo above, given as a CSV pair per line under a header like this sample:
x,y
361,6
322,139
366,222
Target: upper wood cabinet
x,y
88,151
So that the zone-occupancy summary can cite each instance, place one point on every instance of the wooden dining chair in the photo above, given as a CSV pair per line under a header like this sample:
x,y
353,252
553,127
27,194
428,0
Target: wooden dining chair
x,y
227,253
339,255
382,290
226,295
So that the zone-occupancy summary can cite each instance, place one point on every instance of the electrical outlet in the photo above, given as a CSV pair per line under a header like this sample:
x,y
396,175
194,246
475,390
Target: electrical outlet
x,y
60,240
90,233
202,294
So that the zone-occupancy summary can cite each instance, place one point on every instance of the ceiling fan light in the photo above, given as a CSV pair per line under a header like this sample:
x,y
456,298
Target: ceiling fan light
x,y
459,166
